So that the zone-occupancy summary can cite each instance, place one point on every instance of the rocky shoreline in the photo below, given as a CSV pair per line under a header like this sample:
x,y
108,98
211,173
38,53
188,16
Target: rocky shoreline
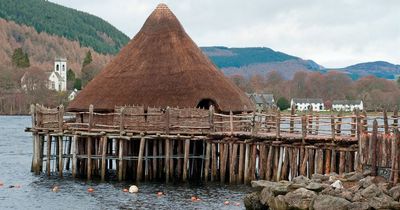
x,y
353,190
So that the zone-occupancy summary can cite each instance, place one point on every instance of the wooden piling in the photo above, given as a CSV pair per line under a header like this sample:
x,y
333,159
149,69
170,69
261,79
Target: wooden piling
x,y
186,160
241,163
48,168
374,139
103,157
139,170
74,159
60,156
285,166
120,159
89,158
207,162
167,160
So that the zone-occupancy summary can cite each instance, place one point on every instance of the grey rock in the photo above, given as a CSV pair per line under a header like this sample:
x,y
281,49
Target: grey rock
x,y
315,187
260,184
367,173
395,192
359,206
366,182
252,202
278,203
301,180
381,202
348,175
320,177
347,195
356,177
357,197
272,190
327,202
300,198
384,187
295,186
371,191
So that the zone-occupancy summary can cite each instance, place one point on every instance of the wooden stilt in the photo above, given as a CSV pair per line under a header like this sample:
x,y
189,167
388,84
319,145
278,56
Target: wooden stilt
x,y
167,160
246,164
311,161
233,161
268,172
154,159
320,161
103,157
285,166
89,158
275,166
74,150
120,159
48,168
139,170
342,162
241,163
207,162
263,161
327,161
214,162
186,160
333,160
60,156
303,166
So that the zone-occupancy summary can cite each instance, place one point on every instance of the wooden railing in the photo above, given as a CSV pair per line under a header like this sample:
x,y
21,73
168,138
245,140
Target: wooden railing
x,y
137,119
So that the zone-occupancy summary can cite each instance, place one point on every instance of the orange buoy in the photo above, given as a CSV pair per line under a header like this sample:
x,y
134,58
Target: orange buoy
x,y
237,204
226,202
193,198
17,186
198,199
1,184
160,193
90,190
125,190
55,189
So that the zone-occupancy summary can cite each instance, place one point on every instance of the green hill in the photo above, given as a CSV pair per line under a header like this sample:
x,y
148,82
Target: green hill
x,y
44,16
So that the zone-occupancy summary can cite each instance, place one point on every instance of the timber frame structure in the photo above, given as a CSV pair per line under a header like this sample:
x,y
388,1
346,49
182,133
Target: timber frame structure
x,y
181,144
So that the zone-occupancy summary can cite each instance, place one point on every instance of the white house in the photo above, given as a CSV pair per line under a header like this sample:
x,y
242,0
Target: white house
x,y
58,77
304,104
347,105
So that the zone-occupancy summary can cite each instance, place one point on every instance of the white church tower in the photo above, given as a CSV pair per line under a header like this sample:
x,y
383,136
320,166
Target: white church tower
x,y
58,78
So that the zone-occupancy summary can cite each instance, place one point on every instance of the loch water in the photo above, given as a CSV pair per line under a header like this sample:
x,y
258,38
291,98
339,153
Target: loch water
x,y
23,190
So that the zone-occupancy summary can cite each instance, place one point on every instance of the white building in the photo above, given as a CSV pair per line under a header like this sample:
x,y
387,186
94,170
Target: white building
x,y
304,104
347,105
58,77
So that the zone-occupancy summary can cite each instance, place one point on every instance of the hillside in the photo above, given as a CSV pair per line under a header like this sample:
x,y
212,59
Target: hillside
x,y
257,60
42,48
44,16
252,61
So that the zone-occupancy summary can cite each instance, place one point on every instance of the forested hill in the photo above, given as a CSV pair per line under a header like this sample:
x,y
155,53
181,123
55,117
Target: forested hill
x,y
45,16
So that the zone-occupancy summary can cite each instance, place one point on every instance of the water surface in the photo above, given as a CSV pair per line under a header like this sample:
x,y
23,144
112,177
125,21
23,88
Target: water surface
x,y
35,191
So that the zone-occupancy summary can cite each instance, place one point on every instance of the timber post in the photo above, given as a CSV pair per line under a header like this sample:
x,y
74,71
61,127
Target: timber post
x,y
385,122
292,111
278,124
373,142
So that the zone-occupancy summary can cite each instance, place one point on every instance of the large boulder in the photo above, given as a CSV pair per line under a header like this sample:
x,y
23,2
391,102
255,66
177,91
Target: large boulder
x,y
317,187
327,202
382,202
278,203
395,192
320,177
371,191
359,206
300,198
252,202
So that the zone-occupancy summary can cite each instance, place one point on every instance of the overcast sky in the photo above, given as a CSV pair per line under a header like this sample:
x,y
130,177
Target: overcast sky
x,y
334,33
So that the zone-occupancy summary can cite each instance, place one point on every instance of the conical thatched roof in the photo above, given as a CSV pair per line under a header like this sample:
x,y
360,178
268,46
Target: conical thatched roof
x,y
161,66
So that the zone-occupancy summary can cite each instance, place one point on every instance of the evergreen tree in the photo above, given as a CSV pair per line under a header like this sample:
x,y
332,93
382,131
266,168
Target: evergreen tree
x,y
78,84
283,103
88,59
70,79
20,59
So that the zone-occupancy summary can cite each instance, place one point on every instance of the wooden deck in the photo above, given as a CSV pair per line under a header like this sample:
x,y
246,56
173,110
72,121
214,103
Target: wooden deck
x,y
197,144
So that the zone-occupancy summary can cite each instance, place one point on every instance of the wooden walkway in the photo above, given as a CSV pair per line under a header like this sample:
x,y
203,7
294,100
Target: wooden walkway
x,y
134,143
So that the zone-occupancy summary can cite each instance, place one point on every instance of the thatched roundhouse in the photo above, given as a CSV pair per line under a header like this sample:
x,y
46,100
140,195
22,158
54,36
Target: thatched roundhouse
x,y
161,66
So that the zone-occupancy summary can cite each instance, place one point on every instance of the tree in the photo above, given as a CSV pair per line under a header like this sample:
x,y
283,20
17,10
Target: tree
x,y
70,79
283,103
20,59
89,72
78,84
88,59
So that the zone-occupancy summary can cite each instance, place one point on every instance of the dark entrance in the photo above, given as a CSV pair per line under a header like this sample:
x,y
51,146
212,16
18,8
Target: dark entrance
x,y
206,103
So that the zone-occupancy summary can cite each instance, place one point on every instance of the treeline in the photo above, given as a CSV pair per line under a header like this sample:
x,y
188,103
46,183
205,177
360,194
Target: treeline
x,y
45,16
376,93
